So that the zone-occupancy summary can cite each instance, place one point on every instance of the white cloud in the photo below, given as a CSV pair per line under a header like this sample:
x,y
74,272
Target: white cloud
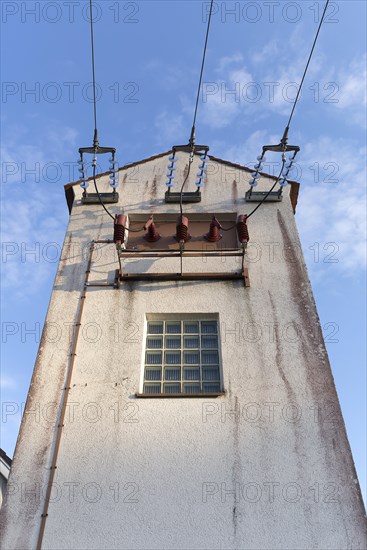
x,y
168,129
7,382
246,153
333,214
169,77
240,76
352,90
222,99
29,226
219,106
34,213
268,80
268,52
63,137
227,61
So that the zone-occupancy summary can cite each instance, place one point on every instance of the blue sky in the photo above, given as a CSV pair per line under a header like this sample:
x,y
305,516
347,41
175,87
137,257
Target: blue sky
x,y
147,60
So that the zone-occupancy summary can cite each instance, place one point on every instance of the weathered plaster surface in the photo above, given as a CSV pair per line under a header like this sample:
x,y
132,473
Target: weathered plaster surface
x,y
163,472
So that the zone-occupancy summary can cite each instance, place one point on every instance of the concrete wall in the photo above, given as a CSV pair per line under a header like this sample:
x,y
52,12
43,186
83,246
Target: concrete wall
x,y
267,466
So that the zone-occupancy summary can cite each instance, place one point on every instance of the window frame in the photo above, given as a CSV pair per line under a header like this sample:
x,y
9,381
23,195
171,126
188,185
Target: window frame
x,y
182,318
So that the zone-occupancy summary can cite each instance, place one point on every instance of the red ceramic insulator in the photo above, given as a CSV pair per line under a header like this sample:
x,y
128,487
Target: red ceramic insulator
x,y
152,234
242,230
213,235
119,228
182,229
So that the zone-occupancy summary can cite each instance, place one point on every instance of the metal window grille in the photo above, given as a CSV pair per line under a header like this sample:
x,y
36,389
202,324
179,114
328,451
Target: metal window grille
x,y
182,356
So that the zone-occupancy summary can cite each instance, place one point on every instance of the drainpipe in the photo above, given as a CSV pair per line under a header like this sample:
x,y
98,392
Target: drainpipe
x,y
66,389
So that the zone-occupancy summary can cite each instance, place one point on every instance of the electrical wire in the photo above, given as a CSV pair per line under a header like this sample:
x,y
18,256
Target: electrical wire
x,y
98,193
227,228
109,213
285,135
95,140
93,69
202,64
192,137
183,185
260,203
308,62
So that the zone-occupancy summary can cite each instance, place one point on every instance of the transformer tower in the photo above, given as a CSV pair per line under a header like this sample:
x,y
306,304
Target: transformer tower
x,y
182,396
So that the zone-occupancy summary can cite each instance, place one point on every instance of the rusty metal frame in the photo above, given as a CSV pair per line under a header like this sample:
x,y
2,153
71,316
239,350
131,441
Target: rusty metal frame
x,y
169,253
213,276
181,276
64,399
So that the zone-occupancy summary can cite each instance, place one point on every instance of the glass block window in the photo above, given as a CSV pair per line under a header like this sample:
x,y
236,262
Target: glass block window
x,y
182,357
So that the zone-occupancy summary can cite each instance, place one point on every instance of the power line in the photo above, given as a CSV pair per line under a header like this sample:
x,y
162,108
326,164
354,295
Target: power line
x,y
98,193
201,71
183,185
308,62
192,136
283,143
109,213
95,139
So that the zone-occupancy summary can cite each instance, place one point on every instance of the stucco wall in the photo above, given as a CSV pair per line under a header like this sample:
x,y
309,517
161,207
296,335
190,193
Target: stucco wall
x,y
267,466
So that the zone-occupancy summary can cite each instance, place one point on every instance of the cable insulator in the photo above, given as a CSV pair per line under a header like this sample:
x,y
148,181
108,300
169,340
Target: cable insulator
x,y
213,235
182,229
242,229
119,229
152,234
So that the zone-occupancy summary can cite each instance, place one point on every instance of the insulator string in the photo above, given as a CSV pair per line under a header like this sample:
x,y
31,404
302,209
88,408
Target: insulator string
x,y
270,190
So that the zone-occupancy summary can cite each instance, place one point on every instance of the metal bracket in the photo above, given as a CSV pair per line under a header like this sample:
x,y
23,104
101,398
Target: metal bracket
x,y
107,198
281,148
187,197
191,148
181,253
117,278
96,150
246,277
258,196
207,277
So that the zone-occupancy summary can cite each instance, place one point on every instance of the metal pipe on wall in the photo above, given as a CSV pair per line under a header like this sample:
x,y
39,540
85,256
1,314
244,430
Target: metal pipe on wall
x,y
60,423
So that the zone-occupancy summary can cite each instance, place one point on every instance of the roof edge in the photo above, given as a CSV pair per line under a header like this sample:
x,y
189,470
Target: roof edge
x,y
5,457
